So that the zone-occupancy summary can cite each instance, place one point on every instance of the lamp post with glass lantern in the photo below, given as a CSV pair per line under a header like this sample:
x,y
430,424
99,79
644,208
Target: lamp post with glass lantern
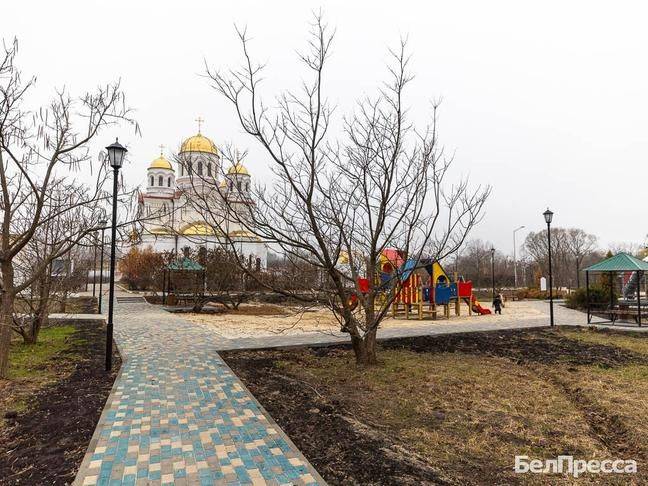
x,y
548,216
116,153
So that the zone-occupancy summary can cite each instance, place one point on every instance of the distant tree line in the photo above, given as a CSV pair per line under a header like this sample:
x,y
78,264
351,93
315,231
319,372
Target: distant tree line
x,y
573,249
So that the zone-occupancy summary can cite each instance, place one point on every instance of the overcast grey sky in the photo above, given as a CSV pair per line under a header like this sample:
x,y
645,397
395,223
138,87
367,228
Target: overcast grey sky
x,y
545,101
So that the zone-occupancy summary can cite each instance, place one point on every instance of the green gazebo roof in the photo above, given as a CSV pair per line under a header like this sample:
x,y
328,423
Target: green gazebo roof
x,y
619,263
185,264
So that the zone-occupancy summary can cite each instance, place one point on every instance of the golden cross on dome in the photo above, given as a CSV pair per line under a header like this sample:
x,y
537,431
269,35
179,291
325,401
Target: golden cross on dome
x,y
161,150
200,121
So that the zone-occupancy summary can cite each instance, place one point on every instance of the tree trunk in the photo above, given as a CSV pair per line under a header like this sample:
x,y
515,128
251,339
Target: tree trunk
x,y
365,349
577,274
41,314
6,321
6,317
62,303
38,322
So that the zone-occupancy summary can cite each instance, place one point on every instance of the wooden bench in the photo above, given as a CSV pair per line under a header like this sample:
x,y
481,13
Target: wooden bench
x,y
510,295
616,313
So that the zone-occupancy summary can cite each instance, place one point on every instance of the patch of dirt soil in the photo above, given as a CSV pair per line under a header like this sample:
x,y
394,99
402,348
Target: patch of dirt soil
x,y
522,347
46,443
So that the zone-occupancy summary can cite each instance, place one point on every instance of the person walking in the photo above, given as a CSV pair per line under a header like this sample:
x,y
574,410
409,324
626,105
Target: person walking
x,y
497,304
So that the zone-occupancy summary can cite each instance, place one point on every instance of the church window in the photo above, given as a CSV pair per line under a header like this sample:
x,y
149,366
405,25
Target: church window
x,y
200,167
238,185
152,181
231,185
169,182
247,186
209,169
160,181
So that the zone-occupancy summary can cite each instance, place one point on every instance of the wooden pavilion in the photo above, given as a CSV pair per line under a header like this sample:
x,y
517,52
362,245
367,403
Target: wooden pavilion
x,y
624,264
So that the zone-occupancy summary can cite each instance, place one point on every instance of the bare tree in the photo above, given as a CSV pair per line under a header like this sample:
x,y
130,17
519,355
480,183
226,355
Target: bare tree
x,y
337,204
536,247
50,290
295,274
569,247
475,262
141,268
580,245
39,152
629,247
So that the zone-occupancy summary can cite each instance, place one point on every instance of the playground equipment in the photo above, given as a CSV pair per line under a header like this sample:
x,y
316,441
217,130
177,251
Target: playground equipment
x,y
425,296
477,307
422,288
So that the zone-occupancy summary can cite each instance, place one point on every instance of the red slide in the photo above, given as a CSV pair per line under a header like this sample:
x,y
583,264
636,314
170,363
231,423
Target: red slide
x,y
476,307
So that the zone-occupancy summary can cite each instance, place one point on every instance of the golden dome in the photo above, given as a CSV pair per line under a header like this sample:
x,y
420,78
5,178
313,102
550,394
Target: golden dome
x,y
238,168
243,234
222,184
198,229
159,230
161,163
199,143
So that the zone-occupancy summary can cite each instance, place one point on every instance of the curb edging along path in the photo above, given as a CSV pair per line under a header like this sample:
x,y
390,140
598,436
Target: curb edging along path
x,y
177,414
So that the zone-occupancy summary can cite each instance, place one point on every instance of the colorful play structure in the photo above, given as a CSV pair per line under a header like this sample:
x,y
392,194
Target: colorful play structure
x,y
422,287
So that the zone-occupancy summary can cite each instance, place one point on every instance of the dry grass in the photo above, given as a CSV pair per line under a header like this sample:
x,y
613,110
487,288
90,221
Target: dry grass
x,y
471,414
468,413
636,342
621,392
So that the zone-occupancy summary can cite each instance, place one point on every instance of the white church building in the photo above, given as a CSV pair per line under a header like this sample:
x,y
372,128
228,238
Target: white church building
x,y
173,206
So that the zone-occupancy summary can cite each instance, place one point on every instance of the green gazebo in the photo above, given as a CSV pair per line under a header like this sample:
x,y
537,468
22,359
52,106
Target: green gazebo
x,y
184,264
620,263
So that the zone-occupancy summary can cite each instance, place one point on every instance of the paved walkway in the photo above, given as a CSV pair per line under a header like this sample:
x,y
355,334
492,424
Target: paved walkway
x,y
562,317
178,415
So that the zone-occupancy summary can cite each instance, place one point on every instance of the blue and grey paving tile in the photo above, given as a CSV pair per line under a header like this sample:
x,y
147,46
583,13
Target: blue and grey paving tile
x,y
177,414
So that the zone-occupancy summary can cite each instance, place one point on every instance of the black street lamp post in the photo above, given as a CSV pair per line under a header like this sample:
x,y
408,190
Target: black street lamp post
x,y
116,153
94,267
103,224
548,216
493,270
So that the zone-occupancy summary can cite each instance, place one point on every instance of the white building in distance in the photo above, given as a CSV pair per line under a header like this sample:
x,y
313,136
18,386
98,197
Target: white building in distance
x,y
173,206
